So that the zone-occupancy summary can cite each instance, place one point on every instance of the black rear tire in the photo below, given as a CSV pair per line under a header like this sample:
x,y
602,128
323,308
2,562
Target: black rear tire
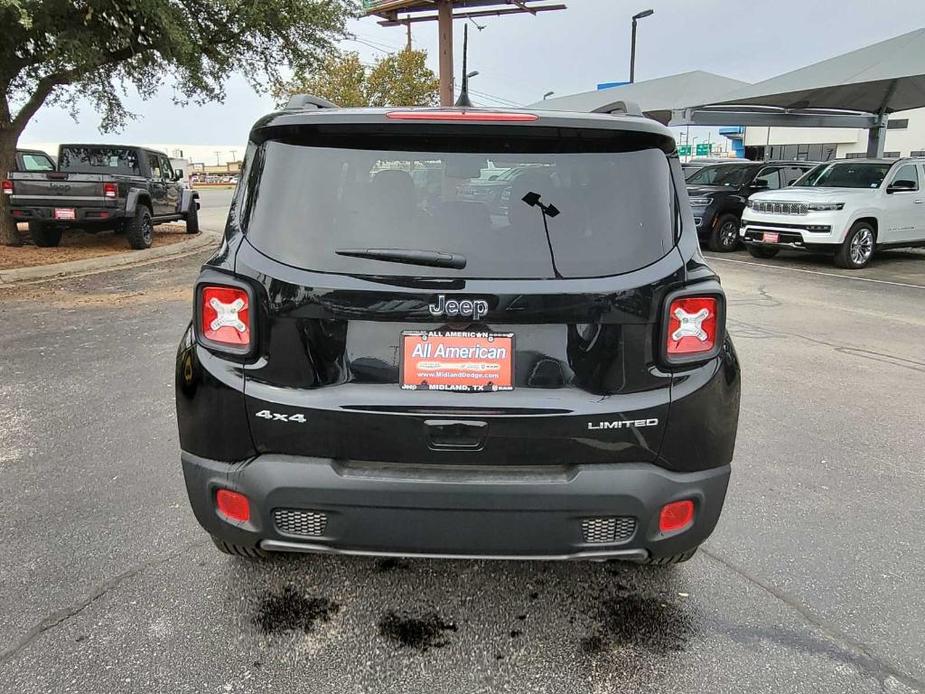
x,y
858,247
238,550
192,218
44,235
673,559
761,252
138,230
724,237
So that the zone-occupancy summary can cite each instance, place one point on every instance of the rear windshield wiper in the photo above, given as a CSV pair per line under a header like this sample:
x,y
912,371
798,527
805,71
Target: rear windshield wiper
x,y
408,257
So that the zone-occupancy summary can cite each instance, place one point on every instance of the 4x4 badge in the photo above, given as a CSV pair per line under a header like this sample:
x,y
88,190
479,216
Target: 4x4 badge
x,y
468,308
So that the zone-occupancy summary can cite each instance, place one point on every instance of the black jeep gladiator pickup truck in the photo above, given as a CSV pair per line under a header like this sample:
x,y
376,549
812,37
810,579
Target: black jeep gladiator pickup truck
x,y
99,187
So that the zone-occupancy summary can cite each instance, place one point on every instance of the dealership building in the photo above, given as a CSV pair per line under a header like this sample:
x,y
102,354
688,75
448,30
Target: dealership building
x,y
905,137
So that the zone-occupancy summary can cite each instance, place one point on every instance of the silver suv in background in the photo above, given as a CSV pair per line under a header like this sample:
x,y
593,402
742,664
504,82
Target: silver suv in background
x,y
849,208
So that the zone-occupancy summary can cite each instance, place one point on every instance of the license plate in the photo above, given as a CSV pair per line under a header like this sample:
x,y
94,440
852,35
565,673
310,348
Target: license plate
x,y
770,237
65,213
459,361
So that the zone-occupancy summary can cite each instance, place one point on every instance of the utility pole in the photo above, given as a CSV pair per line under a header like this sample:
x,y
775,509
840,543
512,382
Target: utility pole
x,y
443,12
445,31
234,155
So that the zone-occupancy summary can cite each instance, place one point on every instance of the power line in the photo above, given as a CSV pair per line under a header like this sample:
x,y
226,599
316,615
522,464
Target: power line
x,y
494,97
369,45
365,37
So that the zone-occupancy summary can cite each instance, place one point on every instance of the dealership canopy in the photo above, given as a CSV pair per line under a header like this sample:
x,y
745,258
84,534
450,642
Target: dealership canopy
x,y
858,89
657,98
883,77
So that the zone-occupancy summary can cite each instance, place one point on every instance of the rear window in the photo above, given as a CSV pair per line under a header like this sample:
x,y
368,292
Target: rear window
x,y
103,160
613,211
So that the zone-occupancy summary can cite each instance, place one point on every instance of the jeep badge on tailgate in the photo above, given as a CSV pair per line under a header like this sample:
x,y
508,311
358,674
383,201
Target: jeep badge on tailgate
x,y
467,308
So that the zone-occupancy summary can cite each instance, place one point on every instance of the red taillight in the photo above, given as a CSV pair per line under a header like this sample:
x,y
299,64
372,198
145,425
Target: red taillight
x,y
461,115
692,326
7,187
678,515
110,190
232,505
225,316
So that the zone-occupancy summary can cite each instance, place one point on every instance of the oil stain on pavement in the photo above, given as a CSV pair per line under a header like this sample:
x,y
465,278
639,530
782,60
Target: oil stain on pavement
x,y
288,610
647,622
419,633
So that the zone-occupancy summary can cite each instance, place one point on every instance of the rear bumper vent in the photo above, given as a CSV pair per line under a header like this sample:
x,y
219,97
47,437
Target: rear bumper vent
x,y
300,523
600,531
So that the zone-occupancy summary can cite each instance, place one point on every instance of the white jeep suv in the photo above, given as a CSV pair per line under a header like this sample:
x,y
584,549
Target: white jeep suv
x,y
848,207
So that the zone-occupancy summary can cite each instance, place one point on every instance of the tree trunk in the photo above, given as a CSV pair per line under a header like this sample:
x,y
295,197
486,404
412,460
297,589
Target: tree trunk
x,y
8,234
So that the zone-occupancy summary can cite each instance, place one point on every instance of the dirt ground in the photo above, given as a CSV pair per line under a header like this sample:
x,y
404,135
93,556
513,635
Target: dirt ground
x,y
77,245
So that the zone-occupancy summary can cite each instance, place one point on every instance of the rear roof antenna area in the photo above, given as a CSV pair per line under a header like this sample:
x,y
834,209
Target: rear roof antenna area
x,y
463,101
298,102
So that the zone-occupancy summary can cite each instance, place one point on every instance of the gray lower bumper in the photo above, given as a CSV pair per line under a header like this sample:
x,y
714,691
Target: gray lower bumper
x,y
473,512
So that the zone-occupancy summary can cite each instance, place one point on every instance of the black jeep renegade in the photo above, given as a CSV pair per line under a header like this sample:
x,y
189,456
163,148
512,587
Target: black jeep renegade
x,y
381,363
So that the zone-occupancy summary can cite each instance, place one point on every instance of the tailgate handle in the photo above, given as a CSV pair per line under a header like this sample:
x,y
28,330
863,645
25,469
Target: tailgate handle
x,y
455,434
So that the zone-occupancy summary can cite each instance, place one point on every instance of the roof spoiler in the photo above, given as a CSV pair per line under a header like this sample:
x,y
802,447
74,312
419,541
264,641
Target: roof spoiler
x,y
299,102
627,108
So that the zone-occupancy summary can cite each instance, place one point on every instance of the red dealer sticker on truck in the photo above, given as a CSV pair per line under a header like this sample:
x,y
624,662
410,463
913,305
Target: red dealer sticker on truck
x,y
460,361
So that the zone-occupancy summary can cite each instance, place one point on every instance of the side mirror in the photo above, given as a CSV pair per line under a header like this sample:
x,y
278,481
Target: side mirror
x,y
760,184
178,175
901,187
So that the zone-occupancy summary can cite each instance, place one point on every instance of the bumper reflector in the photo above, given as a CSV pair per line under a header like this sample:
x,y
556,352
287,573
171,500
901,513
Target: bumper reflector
x,y
232,505
678,515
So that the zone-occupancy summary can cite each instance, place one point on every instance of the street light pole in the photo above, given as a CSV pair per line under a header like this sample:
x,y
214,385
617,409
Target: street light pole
x,y
637,16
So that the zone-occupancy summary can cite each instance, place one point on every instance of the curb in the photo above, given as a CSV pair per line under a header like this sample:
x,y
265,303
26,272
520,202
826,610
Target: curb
x,y
108,262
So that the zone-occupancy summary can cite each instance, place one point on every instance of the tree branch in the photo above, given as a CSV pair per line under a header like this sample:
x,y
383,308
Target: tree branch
x,y
46,85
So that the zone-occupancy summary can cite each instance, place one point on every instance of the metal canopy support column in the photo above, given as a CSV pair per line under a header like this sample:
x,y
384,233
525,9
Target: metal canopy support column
x,y
876,138
445,31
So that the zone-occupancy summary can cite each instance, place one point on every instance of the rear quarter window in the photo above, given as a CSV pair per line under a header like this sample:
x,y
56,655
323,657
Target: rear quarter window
x,y
614,211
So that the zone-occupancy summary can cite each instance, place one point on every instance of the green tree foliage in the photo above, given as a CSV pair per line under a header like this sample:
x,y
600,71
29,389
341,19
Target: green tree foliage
x,y
67,51
340,78
400,79
403,79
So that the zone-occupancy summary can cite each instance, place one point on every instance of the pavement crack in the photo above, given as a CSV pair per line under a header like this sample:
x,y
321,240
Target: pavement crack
x,y
863,657
60,616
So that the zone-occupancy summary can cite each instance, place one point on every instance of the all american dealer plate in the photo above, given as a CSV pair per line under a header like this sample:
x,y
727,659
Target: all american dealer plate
x,y
458,361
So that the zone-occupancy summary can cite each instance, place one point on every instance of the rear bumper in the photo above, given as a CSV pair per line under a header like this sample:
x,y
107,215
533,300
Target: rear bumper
x,y
83,215
537,512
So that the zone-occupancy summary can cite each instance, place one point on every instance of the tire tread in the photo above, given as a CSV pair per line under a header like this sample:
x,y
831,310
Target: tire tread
x,y
238,550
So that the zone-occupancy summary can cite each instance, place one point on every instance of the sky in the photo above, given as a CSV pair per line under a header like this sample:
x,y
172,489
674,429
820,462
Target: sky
x,y
521,57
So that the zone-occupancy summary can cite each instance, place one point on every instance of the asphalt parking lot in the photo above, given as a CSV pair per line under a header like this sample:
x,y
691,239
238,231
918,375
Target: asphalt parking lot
x,y
812,582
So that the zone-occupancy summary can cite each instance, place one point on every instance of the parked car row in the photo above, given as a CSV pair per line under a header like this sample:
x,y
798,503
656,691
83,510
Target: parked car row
x,y
99,187
848,208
